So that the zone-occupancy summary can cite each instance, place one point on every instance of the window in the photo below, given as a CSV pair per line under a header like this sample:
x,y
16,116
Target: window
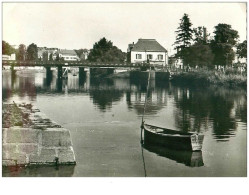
x,y
160,57
138,56
149,56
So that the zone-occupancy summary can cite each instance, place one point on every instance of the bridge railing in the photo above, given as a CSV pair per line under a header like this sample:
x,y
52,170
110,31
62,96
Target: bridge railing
x,y
70,63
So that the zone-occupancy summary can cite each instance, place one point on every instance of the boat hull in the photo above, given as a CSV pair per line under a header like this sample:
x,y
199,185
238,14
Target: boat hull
x,y
192,142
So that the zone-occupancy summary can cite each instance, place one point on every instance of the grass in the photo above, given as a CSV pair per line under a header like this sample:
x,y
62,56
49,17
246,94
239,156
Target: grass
x,y
229,78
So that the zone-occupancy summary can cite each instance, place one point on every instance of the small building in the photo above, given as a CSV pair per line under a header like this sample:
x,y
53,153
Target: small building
x,y
147,50
68,55
44,53
7,57
84,54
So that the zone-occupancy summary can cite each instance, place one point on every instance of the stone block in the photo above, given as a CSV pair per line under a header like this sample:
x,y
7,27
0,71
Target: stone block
x,y
66,156
19,159
56,137
6,163
27,148
22,135
8,149
47,156
4,135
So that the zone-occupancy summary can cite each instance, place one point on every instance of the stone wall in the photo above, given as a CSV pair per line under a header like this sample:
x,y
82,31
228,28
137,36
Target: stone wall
x,y
42,143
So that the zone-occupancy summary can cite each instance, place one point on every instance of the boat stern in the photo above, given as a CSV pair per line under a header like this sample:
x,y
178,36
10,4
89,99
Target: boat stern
x,y
196,142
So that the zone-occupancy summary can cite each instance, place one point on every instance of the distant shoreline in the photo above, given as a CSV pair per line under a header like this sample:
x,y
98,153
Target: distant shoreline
x,y
211,77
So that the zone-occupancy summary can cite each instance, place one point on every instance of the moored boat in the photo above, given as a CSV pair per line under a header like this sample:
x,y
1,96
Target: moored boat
x,y
172,138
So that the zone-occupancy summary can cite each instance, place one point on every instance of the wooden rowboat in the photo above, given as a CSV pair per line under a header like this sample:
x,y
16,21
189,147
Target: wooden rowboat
x,y
172,138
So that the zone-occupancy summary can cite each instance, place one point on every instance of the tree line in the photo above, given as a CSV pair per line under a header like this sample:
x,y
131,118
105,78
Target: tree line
x,y
22,53
103,51
196,48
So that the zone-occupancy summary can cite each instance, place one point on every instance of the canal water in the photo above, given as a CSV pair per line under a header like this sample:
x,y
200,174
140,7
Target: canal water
x,y
104,117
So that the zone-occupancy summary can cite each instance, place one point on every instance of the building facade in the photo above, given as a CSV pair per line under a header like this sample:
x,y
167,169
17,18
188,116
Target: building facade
x,y
7,57
68,55
147,51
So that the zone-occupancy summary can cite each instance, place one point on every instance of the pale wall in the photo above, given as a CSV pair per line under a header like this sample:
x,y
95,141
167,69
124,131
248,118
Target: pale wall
x,y
154,57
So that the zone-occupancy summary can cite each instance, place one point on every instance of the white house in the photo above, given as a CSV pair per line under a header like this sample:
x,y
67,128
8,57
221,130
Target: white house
x,y
68,55
7,57
147,50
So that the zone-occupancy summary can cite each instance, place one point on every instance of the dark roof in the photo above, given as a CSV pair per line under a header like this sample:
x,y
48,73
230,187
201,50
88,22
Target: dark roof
x,y
148,45
67,52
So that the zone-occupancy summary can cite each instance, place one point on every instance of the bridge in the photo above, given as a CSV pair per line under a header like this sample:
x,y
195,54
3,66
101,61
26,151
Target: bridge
x,y
76,64
95,68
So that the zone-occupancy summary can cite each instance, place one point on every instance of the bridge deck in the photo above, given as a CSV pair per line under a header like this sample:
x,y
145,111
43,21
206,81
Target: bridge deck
x,y
76,64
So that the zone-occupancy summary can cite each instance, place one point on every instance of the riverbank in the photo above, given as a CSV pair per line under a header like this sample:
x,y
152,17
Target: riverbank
x,y
207,77
30,138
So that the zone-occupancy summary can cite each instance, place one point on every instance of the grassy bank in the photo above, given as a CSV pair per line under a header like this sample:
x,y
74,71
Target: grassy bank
x,y
206,77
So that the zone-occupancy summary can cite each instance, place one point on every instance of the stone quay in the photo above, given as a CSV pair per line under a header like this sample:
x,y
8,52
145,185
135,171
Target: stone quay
x,y
30,138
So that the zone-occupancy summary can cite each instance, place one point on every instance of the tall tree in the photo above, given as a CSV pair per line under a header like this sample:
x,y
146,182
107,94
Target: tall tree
x,y
242,49
21,54
104,51
184,35
7,49
32,52
224,40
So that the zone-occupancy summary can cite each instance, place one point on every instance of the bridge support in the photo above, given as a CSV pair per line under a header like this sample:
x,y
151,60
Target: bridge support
x,y
59,78
82,76
49,76
60,72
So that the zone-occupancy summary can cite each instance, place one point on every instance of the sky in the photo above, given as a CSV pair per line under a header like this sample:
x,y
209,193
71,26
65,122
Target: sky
x,y
80,25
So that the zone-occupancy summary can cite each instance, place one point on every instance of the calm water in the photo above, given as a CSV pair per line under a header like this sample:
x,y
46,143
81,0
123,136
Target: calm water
x,y
104,119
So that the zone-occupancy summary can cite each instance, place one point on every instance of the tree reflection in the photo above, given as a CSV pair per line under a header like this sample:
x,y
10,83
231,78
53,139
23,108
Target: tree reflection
x,y
199,108
103,93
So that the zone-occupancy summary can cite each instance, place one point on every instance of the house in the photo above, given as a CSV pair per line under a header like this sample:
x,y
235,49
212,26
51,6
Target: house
x,y
68,55
7,57
44,53
147,50
175,62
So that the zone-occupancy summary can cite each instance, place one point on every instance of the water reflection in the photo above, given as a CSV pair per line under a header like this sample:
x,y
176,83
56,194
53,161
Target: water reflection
x,y
188,158
196,109
39,171
20,85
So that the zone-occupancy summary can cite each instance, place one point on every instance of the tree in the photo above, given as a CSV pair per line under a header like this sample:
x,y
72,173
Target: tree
x,y
57,57
200,55
224,40
104,51
45,56
21,53
242,49
80,53
51,57
32,52
7,49
184,37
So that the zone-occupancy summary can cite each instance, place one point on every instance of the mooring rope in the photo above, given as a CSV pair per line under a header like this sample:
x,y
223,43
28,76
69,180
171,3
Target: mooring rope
x,y
142,124
147,90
